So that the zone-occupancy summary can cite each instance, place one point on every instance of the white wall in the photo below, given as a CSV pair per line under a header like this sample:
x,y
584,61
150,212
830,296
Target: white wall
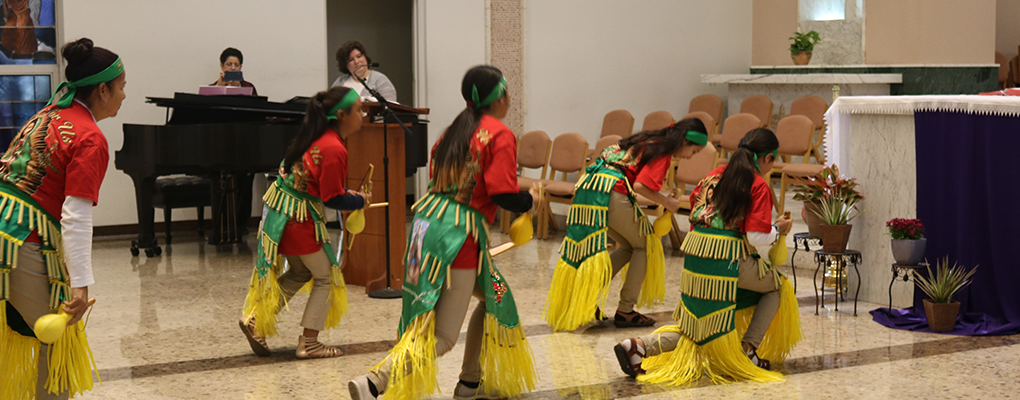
x,y
586,58
174,46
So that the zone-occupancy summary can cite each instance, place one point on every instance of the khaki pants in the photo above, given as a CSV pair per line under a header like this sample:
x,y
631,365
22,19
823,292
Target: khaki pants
x,y
30,295
303,268
658,343
450,311
623,229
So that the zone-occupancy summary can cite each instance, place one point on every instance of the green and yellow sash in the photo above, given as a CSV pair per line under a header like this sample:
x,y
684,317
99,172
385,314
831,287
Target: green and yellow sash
x,y
441,225
70,358
282,203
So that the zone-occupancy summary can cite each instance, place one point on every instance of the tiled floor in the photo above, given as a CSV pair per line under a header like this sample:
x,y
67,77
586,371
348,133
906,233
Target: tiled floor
x,y
166,328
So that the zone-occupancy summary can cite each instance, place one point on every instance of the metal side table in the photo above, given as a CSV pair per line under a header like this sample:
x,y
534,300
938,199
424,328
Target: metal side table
x,y
907,271
823,259
804,238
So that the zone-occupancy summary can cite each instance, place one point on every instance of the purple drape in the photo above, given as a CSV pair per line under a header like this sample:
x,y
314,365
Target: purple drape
x,y
968,197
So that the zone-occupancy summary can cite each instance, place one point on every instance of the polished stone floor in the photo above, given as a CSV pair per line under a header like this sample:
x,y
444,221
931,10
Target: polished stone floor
x,y
166,328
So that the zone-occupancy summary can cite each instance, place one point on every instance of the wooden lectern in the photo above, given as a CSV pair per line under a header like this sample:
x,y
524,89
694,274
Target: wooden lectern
x,y
366,262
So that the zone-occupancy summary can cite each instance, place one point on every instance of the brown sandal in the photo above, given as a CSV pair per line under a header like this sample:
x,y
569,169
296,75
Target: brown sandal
x,y
623,356
257,343
313,348
632,319
760,362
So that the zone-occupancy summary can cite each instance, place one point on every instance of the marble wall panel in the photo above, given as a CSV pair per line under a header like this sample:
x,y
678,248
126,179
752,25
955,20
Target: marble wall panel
x,y
883,161
783,95
842,41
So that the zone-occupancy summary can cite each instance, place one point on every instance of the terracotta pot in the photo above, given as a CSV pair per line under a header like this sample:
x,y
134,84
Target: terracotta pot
x,y
941,316
835,237
908,252
811,219
801,57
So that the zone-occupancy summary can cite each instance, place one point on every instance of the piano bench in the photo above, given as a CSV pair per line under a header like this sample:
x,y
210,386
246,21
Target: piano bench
x,y
182,191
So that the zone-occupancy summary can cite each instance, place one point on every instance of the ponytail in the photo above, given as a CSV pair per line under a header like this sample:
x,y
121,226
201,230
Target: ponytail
x,y
732,195
314,124
453,149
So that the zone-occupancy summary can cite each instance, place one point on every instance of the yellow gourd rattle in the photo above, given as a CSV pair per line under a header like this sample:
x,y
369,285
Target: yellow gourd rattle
x,y
778,254
355,222
50,328
664,223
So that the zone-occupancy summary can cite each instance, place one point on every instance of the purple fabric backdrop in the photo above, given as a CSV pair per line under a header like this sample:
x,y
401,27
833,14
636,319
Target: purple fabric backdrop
x,y
968,197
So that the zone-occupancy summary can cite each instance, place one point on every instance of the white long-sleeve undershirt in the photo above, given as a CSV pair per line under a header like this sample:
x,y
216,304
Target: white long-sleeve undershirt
x,y
763,241
76,233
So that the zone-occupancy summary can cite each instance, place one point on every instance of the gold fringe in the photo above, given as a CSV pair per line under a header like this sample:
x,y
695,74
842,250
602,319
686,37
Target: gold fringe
x,y
579,251
412,361
715,247
70,359
337,298
507,366
720,360
583,214
575,292
19,366
264,299
704,327
653,288
708,287
784,332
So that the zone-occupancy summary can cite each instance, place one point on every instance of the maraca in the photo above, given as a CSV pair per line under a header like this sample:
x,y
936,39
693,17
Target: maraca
x,y
778,254
521,230
49,328
356,221
663,224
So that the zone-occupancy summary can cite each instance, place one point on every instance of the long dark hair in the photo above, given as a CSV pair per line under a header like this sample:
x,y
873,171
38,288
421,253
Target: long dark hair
x,y
732,195
452,151
667,140
315,123
84,60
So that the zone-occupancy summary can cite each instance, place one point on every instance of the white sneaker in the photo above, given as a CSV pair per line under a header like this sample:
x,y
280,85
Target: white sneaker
x,y
359,388
465,393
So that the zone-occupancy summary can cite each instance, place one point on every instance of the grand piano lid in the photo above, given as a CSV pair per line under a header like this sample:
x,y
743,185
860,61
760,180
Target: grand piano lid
x,y
228,102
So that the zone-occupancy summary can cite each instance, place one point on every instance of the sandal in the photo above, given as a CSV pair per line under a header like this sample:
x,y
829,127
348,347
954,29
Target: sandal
x,y
599,315
625,355
313,348
632,319
257,343
762,363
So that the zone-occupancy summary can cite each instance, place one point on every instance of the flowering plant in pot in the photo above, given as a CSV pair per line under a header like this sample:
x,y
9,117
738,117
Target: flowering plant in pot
x,y
939,308
828,182
836,213
908,242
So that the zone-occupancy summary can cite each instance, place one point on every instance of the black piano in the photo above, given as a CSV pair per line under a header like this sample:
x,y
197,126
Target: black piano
x,y
227,139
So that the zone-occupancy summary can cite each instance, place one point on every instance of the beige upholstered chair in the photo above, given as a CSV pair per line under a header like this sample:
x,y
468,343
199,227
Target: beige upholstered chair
x,y
1003,68
532,152
709,122
617,122
568,155
760,106
690,172
601,144
735,128
657,120
713,106
813,107
794,134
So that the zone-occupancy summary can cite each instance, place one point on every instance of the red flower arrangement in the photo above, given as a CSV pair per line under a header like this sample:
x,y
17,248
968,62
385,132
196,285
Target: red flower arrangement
x,y
905,229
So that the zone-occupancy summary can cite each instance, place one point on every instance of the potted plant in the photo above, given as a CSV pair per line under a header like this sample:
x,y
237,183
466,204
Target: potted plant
x,y
939,308
803,44
811,192
836,213
908,240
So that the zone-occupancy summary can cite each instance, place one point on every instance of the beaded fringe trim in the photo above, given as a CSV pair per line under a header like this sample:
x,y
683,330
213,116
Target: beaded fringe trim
x,y
580,250
702,328
49,235
708,287
714,247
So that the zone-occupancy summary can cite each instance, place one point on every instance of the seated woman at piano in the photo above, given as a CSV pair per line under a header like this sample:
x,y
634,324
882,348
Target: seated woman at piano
x,y
49,182
231,59
352,60
293,227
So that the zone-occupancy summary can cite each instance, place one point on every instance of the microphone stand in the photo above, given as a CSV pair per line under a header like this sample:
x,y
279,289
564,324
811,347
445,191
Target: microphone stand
x,y
387,292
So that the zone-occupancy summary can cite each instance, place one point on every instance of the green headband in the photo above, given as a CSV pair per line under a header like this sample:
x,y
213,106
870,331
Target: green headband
x,y
496,93
774,153
106,75
344,104
698,138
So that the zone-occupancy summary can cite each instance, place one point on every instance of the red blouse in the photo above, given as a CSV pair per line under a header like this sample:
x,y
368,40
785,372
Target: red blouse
x,y
651,174
759,215
322,174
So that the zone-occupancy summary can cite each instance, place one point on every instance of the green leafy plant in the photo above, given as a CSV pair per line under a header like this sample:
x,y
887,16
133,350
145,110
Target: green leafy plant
x,y
835,210
804,41
947,280
828,183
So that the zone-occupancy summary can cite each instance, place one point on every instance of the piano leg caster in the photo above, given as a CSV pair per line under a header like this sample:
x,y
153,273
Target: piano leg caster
x,y
151,250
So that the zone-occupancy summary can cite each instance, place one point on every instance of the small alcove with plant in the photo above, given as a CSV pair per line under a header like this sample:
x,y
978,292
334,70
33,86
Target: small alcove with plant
x,y
802,46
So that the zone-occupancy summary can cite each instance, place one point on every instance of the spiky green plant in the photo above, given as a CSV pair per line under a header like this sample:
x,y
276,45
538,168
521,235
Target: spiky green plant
x,y
835,210
946,281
